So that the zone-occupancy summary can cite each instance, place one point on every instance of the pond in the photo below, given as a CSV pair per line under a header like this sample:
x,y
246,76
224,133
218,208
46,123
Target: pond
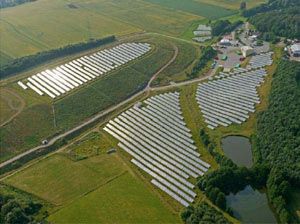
x,y
251,206
238,149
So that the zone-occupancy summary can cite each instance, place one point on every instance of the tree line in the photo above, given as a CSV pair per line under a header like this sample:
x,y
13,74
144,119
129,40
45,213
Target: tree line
x,y
202,213
27,62
277,142
11,3
222,27
270,6
13,210
207,54
276,18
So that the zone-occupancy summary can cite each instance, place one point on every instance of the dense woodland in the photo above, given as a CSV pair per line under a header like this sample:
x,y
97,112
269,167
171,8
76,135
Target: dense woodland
x,y
277,143
202,213
13,210
207,54
284,23
23,63
276,18
221,27
10,3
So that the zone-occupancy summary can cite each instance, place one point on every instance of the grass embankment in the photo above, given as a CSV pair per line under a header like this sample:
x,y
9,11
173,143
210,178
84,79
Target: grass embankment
x,y
187,54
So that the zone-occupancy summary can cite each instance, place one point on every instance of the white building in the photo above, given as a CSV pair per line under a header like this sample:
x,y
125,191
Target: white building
x,y
225,42
295,49
247,51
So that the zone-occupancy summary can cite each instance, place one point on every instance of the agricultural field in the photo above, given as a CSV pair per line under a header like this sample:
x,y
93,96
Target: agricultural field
x,y
65,179
195,7
233,4
124,200
33,27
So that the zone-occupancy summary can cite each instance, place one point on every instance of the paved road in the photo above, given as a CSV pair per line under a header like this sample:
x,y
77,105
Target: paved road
x,y
107,111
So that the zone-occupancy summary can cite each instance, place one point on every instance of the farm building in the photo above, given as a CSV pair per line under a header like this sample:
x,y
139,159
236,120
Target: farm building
x,y
295,49
247,51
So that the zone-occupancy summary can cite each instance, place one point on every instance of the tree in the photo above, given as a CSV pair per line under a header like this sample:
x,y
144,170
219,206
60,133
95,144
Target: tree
x,y
16,216
221,201
243,6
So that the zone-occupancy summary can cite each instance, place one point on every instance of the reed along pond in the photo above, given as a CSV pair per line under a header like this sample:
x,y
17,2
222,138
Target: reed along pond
x,y
238,149
251,206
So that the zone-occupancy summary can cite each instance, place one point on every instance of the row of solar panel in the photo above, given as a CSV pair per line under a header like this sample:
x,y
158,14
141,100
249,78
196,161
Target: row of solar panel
x,y
66,77
160,144
229,100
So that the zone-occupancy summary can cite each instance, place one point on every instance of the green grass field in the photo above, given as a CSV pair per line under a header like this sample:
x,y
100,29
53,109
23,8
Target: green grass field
x,y
124,200
60,180
195,7
9,105
91,145
46,24
27,130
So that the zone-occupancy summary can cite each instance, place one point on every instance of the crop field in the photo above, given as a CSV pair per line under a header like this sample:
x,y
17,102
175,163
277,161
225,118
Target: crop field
x,y
187,53
123,200
233,4
195,7
111,89
25,32
59,180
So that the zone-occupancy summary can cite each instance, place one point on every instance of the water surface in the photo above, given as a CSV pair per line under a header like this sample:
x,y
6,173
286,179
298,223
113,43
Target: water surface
x,y
238,149
251,206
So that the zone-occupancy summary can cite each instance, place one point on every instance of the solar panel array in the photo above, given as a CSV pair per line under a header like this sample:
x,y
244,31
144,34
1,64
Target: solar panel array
x,y
160,144
234,95
64,78
257,61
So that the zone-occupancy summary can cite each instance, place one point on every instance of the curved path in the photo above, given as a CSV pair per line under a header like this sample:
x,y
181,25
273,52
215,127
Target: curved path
x,y
19,109
107,111
99,115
